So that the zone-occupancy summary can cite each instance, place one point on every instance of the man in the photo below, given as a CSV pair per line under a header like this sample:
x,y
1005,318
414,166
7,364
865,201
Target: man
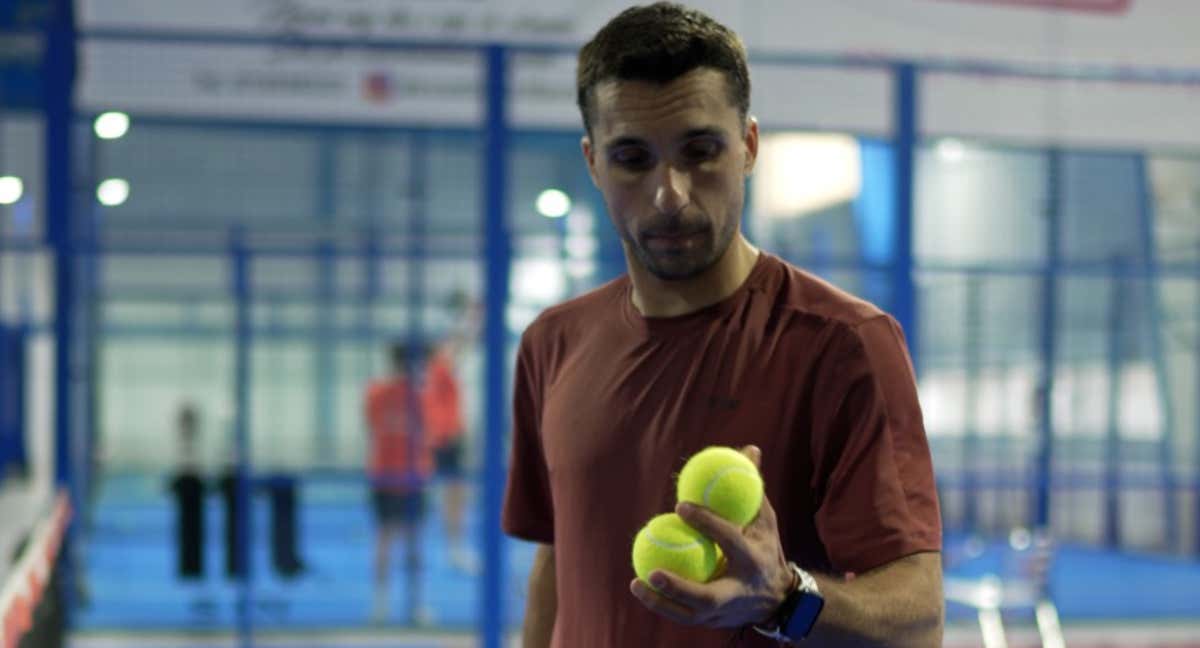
x,y
708,341
400,462
188,487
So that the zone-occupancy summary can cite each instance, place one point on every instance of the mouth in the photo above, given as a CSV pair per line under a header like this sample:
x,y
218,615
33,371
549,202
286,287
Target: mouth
x,y
674,240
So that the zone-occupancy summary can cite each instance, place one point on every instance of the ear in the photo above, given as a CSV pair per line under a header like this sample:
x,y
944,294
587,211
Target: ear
x,y
751,142
589,156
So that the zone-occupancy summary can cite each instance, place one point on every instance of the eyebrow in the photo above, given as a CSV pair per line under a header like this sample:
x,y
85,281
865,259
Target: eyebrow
x,y
627,140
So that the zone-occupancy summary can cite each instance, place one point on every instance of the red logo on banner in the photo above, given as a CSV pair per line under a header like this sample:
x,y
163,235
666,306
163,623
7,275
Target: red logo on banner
x,y
378,87
1091,6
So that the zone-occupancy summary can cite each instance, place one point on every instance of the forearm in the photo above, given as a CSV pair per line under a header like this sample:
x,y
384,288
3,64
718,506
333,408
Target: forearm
x,y
542,602
901,605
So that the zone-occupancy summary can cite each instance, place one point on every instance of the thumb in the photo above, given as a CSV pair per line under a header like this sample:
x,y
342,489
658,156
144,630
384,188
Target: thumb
x,y
754,454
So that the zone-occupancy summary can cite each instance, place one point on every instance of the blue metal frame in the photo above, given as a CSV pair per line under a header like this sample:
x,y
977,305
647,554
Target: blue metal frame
x,y
970,448
326,377
59,80
418,179
1162,373
242,290
1044,458
498,255
904,297
1112,449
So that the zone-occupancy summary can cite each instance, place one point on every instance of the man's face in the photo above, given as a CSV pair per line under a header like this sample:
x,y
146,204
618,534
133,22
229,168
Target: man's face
x,y
671,160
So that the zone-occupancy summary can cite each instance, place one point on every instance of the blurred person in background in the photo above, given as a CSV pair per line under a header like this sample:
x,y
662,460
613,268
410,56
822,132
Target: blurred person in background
x,y
441,403
187,486
399,466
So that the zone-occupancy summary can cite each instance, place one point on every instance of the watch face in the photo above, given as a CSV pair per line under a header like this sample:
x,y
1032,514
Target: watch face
x,y
804,616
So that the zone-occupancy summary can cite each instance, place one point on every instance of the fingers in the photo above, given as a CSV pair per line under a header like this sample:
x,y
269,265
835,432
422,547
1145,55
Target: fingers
x,y
660,604
754,453
698,598
766,515
723,532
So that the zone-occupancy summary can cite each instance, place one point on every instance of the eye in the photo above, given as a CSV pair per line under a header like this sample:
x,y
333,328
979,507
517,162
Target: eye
x,y
631,157
699,150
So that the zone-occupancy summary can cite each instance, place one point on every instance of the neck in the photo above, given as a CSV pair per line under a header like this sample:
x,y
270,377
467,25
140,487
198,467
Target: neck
x,y
654,297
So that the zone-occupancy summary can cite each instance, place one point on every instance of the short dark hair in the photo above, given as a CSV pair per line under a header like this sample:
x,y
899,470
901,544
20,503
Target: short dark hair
x,y
189,417
405,355
398,354
660,43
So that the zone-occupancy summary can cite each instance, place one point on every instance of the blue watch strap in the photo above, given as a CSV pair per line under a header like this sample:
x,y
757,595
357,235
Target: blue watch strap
x,y
800,622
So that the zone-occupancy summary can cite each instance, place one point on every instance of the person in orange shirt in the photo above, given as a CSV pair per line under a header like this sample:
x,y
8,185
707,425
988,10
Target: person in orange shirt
x,y
442,406
399,465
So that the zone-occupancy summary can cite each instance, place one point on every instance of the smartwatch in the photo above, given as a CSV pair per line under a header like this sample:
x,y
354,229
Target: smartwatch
x,y
798,614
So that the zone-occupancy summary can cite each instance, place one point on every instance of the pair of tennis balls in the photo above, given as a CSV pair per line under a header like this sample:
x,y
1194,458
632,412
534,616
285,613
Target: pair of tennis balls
x,y
719,478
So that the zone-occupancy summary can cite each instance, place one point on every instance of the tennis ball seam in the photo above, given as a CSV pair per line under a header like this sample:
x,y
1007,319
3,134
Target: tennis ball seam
x,y
716,478
666,544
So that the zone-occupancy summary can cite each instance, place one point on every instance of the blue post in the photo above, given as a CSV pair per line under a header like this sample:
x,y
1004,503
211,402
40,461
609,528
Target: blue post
x,y
1162,372
415,265
1044,459
418,180
970,454
59,80
370,258
91,292
498,254
241,428
904,297
323,342
1112,441
12,376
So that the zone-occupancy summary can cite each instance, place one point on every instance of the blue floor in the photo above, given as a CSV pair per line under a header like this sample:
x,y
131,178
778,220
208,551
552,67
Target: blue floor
x,y
1091,584
130,561
130,567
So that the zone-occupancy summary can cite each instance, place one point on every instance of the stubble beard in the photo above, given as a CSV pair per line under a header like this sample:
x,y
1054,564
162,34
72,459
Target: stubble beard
x,y
683,264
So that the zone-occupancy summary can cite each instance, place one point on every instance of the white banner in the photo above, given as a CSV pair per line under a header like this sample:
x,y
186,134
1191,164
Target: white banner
x,y
407,88
1079,113
543,92
438,20
823,98
283,83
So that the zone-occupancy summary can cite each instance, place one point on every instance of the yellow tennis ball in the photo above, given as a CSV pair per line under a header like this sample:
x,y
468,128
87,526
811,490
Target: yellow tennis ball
x,y
723,480
669,544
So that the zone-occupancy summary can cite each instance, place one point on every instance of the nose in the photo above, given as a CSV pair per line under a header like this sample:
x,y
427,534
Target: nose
x,y
672,190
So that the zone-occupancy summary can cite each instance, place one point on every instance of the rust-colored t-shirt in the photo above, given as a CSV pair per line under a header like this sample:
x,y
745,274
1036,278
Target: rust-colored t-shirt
x,y
400,458
440,402
609,404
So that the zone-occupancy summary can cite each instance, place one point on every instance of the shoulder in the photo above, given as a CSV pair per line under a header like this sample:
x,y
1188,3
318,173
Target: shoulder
x,y
835,320
563,321
804,293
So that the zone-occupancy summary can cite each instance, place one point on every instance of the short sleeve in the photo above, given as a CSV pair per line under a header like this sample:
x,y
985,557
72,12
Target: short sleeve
x,y
873,474
528,511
